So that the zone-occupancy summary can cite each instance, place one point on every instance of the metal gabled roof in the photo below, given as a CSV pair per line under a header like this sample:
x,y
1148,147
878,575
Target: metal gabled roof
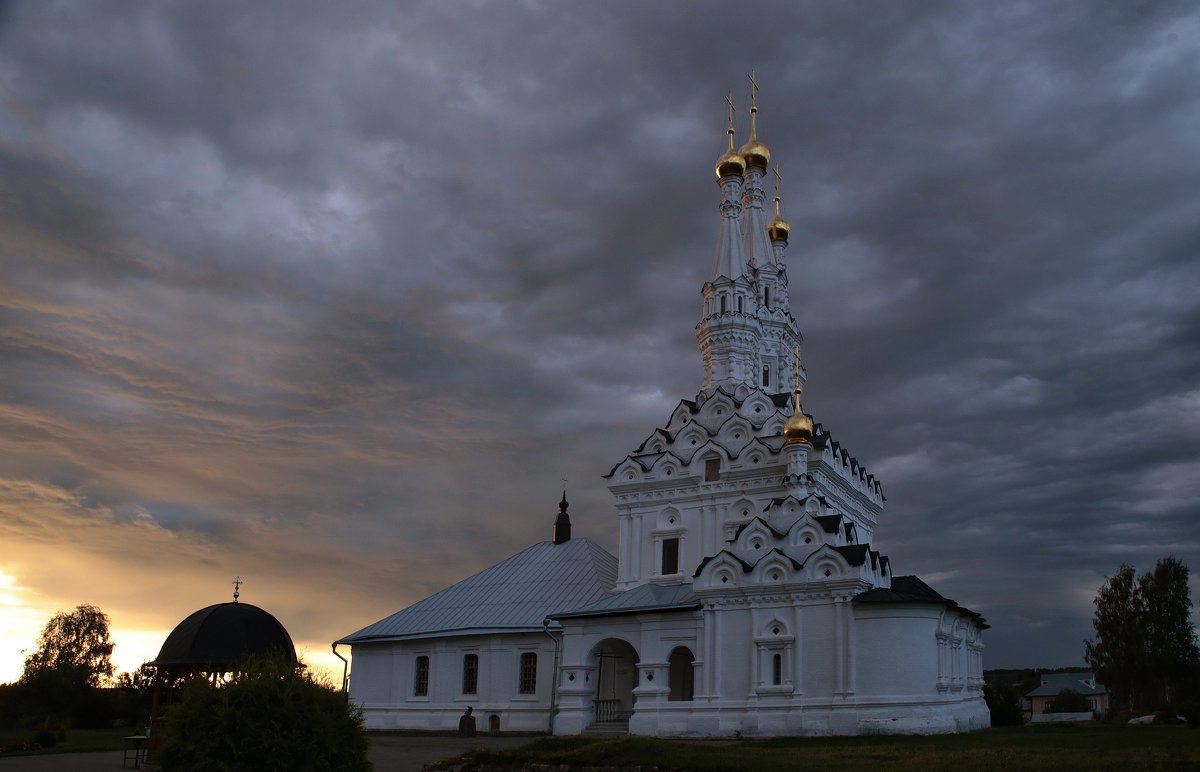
x,y
643,598
1053,683
514,595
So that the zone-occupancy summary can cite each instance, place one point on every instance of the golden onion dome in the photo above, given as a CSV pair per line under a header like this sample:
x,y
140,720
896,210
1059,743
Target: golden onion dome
x,y
778,228
799,428
730,164
755,153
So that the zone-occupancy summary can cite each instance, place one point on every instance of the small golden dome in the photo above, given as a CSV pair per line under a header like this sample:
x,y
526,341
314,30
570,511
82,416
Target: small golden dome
x,y
730,164
799,428
779,230
755,153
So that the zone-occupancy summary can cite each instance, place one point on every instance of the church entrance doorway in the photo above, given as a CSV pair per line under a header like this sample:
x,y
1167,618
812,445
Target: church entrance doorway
x,y
616,676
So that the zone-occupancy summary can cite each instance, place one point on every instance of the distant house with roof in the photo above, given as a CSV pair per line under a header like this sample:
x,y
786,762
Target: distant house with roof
x,y
1041,699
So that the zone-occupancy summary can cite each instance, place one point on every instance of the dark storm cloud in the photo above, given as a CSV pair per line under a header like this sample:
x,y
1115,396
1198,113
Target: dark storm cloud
x,y
315,286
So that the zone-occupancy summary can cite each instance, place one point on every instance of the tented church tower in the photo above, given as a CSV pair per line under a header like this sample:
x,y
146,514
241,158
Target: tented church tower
x,y
748,597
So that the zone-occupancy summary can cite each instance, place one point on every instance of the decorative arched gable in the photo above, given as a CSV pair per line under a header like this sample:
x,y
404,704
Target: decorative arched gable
x,y
741,509
682,415
627,471
807,531
721,570
774,568
737,432
758,408
826,564
757,452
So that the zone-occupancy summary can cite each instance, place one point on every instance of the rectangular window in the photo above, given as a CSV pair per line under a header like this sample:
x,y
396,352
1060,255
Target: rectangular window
x,y
670,556
528,673
712,469
776,669
470,674
766,376
421,677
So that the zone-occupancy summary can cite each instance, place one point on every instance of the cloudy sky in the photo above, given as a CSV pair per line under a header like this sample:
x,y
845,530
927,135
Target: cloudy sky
x,y
331,295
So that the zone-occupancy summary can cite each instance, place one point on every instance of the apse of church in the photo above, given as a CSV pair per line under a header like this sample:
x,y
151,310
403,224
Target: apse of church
x,y
748,597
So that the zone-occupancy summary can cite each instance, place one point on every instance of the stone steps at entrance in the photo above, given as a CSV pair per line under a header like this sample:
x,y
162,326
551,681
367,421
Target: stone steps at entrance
x,y
617,728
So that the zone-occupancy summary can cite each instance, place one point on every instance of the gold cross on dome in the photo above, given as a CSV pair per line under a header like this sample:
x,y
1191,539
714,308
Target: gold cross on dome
x,y
778,180
753,89
732,109
237,586
565,480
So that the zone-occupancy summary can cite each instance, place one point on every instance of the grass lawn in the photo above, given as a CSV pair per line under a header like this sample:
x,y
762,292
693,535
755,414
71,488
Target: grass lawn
x,y
76,741
1055,747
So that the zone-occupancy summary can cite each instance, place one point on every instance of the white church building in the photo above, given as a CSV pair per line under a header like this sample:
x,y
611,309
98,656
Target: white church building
x,y
748,597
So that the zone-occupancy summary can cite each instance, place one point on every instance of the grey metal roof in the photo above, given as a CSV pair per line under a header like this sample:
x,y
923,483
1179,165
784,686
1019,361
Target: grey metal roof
x,y
512,596
1053,683
645,597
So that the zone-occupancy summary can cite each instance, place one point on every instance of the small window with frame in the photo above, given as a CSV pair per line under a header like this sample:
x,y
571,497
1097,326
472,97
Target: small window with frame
x,y
670,556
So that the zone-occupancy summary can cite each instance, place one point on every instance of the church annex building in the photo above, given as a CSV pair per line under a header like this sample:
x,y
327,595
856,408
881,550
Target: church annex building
x,y
748,597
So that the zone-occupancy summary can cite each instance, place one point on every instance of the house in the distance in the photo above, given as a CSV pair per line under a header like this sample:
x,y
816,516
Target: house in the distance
x,y
1041,699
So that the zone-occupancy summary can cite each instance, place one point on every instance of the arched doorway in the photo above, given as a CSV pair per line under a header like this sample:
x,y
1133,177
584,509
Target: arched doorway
x,y
680,674
616,676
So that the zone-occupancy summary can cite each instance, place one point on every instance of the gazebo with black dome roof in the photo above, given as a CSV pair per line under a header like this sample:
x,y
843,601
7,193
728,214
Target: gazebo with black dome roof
x,y
220,638
217,640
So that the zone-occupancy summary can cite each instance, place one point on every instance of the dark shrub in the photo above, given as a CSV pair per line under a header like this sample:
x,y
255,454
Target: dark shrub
x,y
46,738
271,717
1004,704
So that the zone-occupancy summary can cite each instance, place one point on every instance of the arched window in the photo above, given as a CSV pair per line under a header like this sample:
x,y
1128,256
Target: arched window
x,y
528,673
421,677
740,309
724,304
775,660
470,674
767,297
766,376
680,675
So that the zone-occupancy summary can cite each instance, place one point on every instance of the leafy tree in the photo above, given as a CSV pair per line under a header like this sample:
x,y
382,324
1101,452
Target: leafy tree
x,y
73,657
1170,638
1144,639
267,717
1118,654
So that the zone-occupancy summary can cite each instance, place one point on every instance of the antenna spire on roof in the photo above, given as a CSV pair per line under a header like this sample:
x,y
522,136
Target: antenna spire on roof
x,y
237,586
562,524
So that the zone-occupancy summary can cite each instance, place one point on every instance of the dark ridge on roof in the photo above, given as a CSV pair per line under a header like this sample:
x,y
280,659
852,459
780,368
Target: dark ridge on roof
x,y
782,399
831,523
223,636
796,564
910,589
743,526
746,567
855,554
